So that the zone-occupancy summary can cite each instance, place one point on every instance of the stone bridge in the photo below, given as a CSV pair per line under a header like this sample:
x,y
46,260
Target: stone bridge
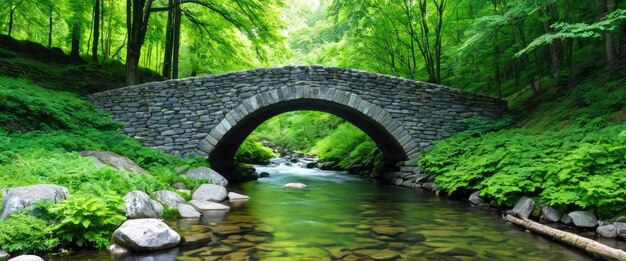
x,y
212,115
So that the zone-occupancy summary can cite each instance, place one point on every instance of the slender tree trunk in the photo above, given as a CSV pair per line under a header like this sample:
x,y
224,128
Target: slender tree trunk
x,y
555,63
167,57
75,51
605,7
176,40
11,14
96,31
50,26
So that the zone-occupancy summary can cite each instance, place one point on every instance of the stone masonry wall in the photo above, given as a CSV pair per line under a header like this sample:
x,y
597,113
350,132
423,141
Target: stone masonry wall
x,y
176,115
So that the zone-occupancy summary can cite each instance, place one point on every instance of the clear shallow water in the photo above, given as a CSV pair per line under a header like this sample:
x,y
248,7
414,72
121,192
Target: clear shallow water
x,y
340,216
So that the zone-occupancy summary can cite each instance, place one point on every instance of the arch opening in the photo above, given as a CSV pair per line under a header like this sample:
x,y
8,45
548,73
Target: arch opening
x,y
222,150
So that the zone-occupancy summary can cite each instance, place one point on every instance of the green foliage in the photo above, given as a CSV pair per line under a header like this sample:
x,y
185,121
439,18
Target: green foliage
x,y
348,148
170,213
25,233
253,152
87,220
567,161
577,30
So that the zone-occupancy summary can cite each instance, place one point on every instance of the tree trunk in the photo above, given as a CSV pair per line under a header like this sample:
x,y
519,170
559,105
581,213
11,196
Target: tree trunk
x,y
75,51
11,14
96,31
50,26
605,7
138,14
592,247
555,63
167,57
176,40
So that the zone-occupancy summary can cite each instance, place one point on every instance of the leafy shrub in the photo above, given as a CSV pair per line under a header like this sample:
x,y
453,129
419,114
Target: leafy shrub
x,y
253,152
25,233
169,213
86,220
576,167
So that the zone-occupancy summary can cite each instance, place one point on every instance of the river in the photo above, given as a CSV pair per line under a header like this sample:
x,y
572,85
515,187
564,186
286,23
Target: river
x,y
342,216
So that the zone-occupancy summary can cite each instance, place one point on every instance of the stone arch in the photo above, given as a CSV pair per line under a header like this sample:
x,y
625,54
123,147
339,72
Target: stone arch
x,y
388,133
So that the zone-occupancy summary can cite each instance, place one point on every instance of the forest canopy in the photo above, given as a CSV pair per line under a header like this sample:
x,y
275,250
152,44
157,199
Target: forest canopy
x,y
495,47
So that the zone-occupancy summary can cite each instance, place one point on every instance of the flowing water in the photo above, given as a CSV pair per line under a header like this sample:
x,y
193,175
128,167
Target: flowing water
x,y
340,216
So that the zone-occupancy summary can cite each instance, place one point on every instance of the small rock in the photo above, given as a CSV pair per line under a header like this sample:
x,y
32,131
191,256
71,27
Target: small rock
x,y
26,258
138,204
399,181
4,255
584,219
550,214
114,160
210,192
458,251
187,211
207,205
18,198
621,229
429,186
237,196
475,199
207,173
609,231
118,250
295,185
524,207
388,231
264,175
226,230
146,234
178,185
565,219
168,198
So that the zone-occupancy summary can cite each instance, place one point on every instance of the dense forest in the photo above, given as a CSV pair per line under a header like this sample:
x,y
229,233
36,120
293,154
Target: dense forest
x,y
560,64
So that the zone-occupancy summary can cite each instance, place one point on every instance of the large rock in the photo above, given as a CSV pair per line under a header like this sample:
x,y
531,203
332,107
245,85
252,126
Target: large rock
x,y
146,234
207,173
550,214
609,231
207,205
17,198
168,198
114,160
295,185
524,207
475,199
187,211
210,192
26,258
584,219
237,196
139,205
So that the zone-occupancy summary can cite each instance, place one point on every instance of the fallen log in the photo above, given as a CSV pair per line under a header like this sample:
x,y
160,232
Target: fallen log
x,y
592,247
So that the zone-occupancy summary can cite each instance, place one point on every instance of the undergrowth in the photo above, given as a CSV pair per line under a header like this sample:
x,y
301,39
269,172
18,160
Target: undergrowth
x,y
569,153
